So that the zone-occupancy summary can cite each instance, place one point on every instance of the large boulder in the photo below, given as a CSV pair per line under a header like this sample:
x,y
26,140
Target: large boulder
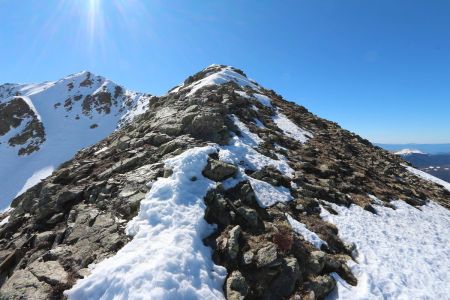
x,y
218,170
24,285
50,272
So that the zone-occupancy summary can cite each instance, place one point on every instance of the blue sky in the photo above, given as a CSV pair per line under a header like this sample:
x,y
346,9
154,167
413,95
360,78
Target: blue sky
x,y
379,68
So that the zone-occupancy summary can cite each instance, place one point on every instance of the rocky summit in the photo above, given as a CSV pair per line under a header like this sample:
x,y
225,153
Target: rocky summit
x,y
218,189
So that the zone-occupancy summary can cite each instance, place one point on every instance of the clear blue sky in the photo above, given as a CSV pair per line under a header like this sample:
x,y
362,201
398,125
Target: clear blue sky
x,y
379,68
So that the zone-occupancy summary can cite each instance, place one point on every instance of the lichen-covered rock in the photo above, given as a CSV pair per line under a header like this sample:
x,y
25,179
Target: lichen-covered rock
x,y
236,286
217,170
267,256
233,242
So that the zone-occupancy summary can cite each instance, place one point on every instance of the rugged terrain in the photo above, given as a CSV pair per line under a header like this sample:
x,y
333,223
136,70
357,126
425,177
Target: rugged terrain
x,y
219,167
43,125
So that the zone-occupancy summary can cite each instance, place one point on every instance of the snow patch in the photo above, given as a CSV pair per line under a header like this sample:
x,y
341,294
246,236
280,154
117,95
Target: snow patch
x,y
267,194
402,253
4,221
247,136
290,129
222,76
302,230
264,100
166,259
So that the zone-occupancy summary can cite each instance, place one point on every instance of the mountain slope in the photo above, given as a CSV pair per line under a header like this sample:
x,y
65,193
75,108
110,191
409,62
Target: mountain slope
x,y
45,124
437,165
224,189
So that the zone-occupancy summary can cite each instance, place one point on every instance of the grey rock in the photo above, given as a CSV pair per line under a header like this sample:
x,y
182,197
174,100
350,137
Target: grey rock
x,y
233,242
236,286
217,170
50,272
316,262
322,285
267,256
24,285
283,285
73,194
250,215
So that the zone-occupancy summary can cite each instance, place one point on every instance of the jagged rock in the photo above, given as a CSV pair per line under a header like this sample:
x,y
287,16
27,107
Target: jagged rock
x,y
217,170
250,216
45,238
50,272
321,286
316,262
217,210
267,256
236,286
283,285
233,242
24,285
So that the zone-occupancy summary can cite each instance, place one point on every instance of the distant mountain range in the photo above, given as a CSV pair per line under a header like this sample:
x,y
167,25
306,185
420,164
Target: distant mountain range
x,y
426,148
433,159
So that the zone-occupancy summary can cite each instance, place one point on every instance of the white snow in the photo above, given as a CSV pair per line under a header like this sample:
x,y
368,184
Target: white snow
x,y
37,177
429,177
101,150
247,136
302,230
240,151
243,94
290,129
408,152
4,221
222,76
263,99
31,105
166,259
258,123
401,254
267,194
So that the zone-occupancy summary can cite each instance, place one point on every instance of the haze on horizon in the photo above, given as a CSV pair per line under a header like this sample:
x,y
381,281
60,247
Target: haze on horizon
x,y
380,69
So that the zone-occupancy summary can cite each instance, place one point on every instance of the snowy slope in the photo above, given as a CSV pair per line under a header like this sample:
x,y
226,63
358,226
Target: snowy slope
x,y
75,112
402,253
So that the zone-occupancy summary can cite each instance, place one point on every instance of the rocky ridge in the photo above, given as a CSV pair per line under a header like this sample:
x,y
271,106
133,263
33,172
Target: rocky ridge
x,y
78,215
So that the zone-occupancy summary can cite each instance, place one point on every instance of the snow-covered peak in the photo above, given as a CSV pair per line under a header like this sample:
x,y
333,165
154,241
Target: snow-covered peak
x,y
45,124
409,151
215,75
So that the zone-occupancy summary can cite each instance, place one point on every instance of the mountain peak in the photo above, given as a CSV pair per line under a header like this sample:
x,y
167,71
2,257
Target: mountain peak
x,y
214,75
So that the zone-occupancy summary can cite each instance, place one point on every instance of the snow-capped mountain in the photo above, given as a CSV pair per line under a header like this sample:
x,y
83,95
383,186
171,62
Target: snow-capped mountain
x,y
408,152
43,125
223,189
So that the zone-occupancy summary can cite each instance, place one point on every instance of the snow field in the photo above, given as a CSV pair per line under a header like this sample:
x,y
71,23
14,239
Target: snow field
x,y
401,254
